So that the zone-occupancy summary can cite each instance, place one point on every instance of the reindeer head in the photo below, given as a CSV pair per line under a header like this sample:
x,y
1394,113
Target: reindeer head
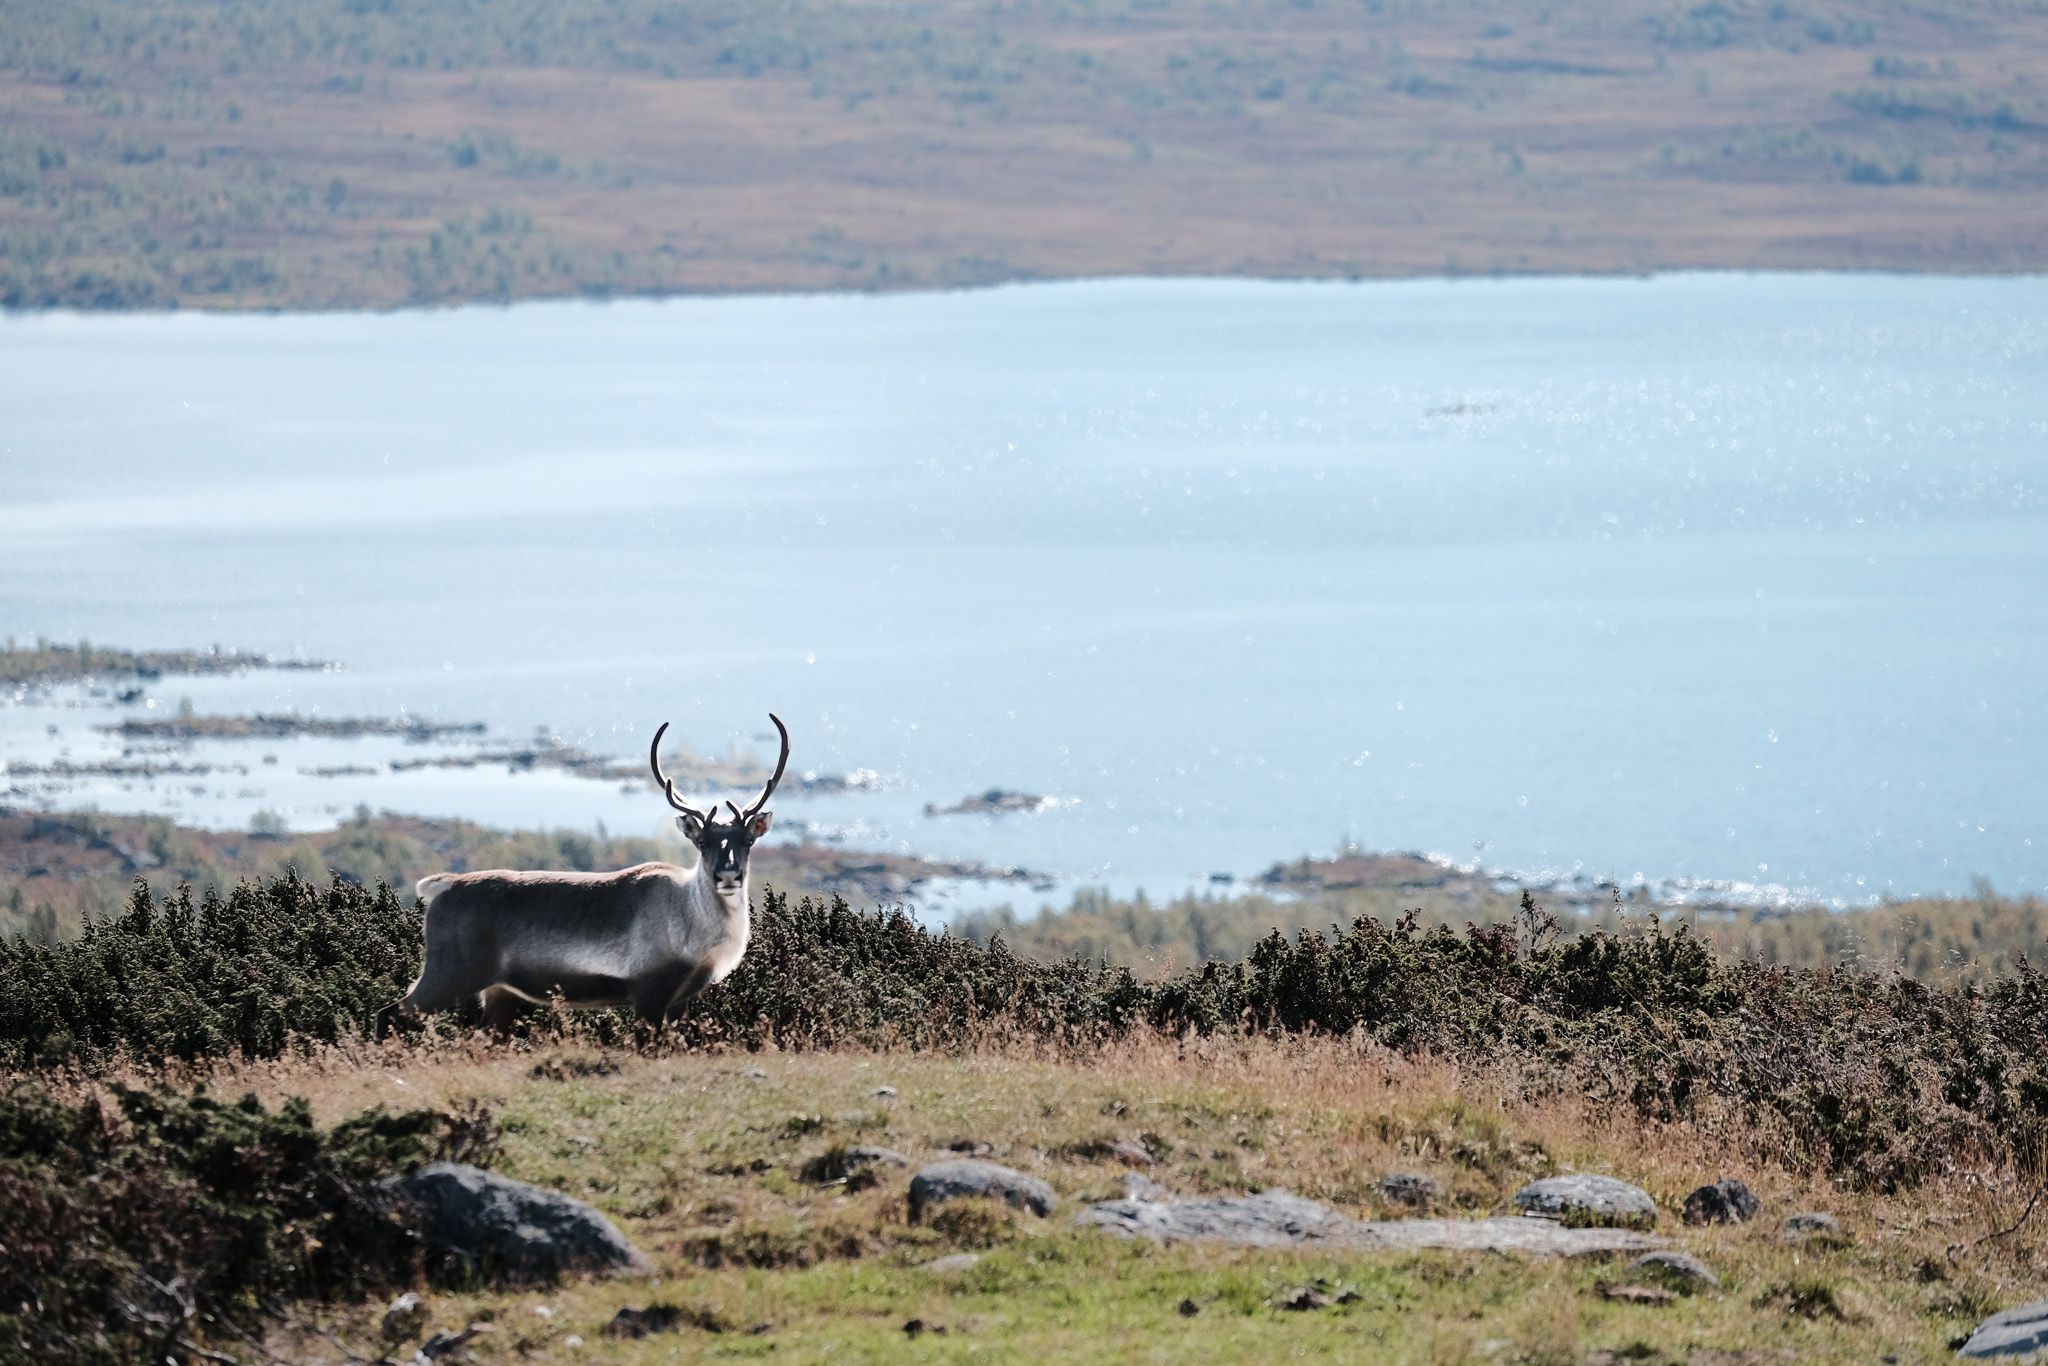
x,y
723,845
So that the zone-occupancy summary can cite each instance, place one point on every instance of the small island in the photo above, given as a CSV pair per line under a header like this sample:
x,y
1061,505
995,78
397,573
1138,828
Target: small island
x,y
996,801
48,663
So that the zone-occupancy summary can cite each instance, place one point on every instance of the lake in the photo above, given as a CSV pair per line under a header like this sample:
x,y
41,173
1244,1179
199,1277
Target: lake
x,y
1735,580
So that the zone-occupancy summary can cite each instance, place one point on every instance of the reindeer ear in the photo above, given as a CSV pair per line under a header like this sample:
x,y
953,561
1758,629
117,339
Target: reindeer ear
x,y
758,826
690,826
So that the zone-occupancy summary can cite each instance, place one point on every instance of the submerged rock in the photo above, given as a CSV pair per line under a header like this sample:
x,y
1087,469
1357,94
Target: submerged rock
x,y
941,1181
1583,1198
505,1231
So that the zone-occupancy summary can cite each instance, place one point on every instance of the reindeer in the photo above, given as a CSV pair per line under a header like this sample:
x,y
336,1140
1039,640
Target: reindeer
x,y
649,937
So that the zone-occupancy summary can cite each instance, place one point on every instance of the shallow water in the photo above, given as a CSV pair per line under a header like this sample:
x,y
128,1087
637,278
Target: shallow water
x,y
1737,578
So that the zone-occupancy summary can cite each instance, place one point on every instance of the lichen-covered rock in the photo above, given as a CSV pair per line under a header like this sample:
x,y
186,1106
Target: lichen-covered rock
x,y
942,1181
1680,1271
1414,1190
1586,1199
1278,1219
1727,1201
1272,1218
491,1228
2017,1332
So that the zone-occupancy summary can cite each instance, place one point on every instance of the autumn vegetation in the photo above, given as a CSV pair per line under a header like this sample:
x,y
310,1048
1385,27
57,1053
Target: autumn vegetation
x,y
359,153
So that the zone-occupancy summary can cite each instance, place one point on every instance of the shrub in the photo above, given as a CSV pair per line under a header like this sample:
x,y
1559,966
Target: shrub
x,y
1878,1079
242,973
127,1234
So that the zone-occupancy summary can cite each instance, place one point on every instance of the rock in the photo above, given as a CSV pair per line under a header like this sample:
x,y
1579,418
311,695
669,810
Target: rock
x,y
1413,1190
1272,1218
1634,1294
404,1318
885,1093
942,1181
639,1323
854,1165
2016,1332
1680,1271
1276,1218
972,1147
1727,1201
1812,1225
1318,1294
1138,1186
1539,1237
755,1074
448,1346
1586,1199
959,1261
867,1155
503,1231
1130,1154
1301,1297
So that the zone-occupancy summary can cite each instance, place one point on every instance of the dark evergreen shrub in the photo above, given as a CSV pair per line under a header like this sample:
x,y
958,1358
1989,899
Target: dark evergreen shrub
x,y
241,973
1880,1080
126,1235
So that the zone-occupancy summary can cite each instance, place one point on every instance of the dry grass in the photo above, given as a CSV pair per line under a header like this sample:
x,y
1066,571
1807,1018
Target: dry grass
x,y
699,1157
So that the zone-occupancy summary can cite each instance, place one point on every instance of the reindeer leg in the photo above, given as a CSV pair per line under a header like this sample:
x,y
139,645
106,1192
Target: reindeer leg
x,y
655,1000
502,1008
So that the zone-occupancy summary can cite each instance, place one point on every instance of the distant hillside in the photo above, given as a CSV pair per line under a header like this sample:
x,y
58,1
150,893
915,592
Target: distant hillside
x,y
1933,939
346,153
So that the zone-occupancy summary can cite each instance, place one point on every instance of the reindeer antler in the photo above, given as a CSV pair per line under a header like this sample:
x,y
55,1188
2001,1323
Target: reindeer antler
x,y
780,764
668,784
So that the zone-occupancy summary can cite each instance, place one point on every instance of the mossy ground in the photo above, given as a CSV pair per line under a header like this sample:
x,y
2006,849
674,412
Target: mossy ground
x,y
700,1157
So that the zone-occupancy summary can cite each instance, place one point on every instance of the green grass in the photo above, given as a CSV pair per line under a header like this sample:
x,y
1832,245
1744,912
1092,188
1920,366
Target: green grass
x,y
669,1148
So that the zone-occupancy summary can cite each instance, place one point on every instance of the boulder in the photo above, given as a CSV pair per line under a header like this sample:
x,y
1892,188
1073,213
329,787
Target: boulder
x,y
498,1230
1278,1219
1414,1190
1680,1271
1272,1218
2017,1332
1800,1228
1586,1199
1727,1201
942,1181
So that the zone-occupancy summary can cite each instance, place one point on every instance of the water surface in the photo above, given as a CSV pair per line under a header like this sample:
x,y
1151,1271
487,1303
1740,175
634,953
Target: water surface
x,y
1737,578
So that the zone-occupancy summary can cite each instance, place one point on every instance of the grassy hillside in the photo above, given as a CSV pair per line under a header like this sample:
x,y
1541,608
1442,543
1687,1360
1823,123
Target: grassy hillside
x,y
343,153
704,1164
1913,1114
